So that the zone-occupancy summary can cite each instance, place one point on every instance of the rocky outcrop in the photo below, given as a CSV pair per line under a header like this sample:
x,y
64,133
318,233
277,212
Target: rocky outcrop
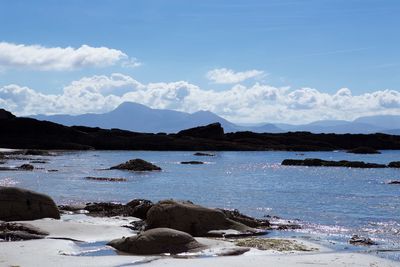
x,y
26,167
361,241
364,150
394,164
106,179
192,162
136,165
211,131
157,241
19,205
235,215
203,154
136,208
329,163
20,231
193,219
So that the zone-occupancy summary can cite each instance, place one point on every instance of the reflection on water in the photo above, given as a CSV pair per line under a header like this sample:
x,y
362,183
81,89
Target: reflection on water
x,y
334,203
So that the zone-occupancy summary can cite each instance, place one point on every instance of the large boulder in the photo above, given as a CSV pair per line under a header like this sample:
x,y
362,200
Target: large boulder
x,y
136,165
20,231
193,219
157,241
18,204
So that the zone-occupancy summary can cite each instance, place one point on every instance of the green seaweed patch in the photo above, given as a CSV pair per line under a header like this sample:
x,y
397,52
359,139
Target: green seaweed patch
x,y
273,244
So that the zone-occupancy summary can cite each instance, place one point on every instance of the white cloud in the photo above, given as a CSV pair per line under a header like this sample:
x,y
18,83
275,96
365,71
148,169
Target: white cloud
x,y
227,76
256,103
42,58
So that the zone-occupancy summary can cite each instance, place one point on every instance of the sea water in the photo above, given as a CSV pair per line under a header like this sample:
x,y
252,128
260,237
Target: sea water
x,y
330,203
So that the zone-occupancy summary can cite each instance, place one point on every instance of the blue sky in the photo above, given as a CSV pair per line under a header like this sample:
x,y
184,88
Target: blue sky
x,y
321,44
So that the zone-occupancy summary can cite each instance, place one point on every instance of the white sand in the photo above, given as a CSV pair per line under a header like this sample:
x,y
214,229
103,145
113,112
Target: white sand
x,y
51,252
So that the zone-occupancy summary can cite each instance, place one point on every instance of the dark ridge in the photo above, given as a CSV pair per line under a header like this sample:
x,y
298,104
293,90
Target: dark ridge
x,y
30,133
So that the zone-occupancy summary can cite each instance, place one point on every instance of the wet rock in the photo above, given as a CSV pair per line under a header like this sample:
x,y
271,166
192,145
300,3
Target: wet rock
x,y
107,209
106,179
192,162
37,152
20,231
394,164
26,167
361,241
18,204
394,182
235,215
136,165
193,219
364,150
139,208
204,154
157,241
329,163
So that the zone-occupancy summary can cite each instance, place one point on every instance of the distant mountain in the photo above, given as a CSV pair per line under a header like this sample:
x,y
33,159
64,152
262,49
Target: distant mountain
x,y
382,121
140,118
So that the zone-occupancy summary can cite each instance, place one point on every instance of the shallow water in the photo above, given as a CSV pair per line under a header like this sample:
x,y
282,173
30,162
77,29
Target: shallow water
x,y
331,203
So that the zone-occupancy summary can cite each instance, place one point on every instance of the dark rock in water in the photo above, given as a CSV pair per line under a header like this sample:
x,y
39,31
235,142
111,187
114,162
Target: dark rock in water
x,y
361,241
136,165
20,231
193,219
20,205
364,150
52,170
236,216
38,161
192,162
157,241
106,209
394,164
139,208
204,154
394,182
26,167
329,163
106,179
211,131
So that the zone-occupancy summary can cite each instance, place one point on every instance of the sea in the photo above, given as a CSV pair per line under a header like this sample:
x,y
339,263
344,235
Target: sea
x,y
330,203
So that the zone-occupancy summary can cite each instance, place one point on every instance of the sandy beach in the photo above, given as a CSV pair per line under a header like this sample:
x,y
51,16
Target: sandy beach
x,y
79,240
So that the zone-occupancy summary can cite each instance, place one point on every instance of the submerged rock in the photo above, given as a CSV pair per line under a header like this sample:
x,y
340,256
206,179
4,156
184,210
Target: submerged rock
x,y
136,165
193,219
106,179
157,241
394,182
18,204
361,241
20,231
26,167
194,162
329,163
364,150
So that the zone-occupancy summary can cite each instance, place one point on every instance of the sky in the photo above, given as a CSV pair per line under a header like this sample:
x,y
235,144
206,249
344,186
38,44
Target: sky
x,y
253,61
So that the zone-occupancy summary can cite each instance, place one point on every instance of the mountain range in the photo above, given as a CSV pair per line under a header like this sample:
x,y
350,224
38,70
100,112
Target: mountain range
x,y
140,118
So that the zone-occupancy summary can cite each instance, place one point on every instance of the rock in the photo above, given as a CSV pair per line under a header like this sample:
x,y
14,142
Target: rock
x,y
20,231
203,154
192,162
136,165
38,161
394,182
106,209
37,152
235,215
211,131
106,179
26,167
364,150
394,164
5,115
139,208
19,205
52,170
329,163
157,241
193,219
361,241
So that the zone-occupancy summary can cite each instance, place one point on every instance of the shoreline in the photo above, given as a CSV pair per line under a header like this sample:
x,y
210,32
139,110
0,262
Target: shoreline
x,y
96,231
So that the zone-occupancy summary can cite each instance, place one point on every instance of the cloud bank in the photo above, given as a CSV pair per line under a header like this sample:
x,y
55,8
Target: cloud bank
x,y
36,57
238,103
228,76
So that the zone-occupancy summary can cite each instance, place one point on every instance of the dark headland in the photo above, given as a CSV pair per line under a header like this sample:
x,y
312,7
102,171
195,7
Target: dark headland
x,y
19,132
